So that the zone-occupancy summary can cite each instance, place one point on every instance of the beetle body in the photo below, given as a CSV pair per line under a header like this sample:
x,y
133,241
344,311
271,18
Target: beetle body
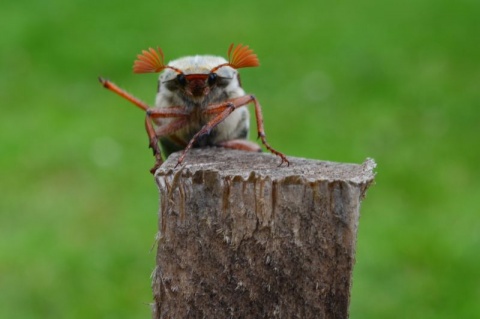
x,y
225,86
199,103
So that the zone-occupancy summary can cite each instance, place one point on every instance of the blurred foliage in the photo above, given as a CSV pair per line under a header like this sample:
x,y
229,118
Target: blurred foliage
x,y
339,81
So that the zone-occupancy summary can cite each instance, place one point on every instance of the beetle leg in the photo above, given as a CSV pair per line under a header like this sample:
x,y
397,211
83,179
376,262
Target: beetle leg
x,y
164,130
163,112
152,113
153,144
261,132
243,145
225,109
115,89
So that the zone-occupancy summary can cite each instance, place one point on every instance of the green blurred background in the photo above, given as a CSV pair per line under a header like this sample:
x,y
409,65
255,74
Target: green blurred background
x,y
339,81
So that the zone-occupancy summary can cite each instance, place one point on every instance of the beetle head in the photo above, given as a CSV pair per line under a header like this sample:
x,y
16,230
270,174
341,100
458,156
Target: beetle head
x,y
196,84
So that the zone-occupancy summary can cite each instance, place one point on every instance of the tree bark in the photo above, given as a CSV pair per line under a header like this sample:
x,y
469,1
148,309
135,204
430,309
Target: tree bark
x,y
240,237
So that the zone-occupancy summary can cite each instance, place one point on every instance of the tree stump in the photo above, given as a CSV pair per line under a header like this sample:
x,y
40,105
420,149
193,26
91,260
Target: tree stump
x,y
240,237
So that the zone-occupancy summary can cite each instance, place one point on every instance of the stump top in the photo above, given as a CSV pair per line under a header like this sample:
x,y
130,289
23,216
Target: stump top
x,y
243,164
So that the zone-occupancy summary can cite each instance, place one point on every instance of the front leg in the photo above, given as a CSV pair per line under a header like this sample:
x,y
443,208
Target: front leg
x,y
224,110
115,89
151,113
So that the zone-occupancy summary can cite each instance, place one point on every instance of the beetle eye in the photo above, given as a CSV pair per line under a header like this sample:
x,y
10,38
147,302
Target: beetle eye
x,y
212,77
181,79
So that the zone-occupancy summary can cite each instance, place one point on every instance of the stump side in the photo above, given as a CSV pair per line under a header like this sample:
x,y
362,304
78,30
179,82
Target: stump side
x,y
240,237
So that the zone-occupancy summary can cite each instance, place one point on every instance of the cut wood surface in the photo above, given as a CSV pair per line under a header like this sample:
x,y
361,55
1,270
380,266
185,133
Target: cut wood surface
x,y
240,237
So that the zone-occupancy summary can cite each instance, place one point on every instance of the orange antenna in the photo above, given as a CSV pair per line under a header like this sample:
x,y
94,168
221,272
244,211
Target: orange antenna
x,y
241,57
151,61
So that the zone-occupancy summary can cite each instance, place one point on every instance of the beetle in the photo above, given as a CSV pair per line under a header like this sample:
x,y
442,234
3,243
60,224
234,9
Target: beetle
x,y
199,103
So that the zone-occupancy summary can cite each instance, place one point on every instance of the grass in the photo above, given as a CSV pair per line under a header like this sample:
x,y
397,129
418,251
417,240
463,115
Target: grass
x,y
339,81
